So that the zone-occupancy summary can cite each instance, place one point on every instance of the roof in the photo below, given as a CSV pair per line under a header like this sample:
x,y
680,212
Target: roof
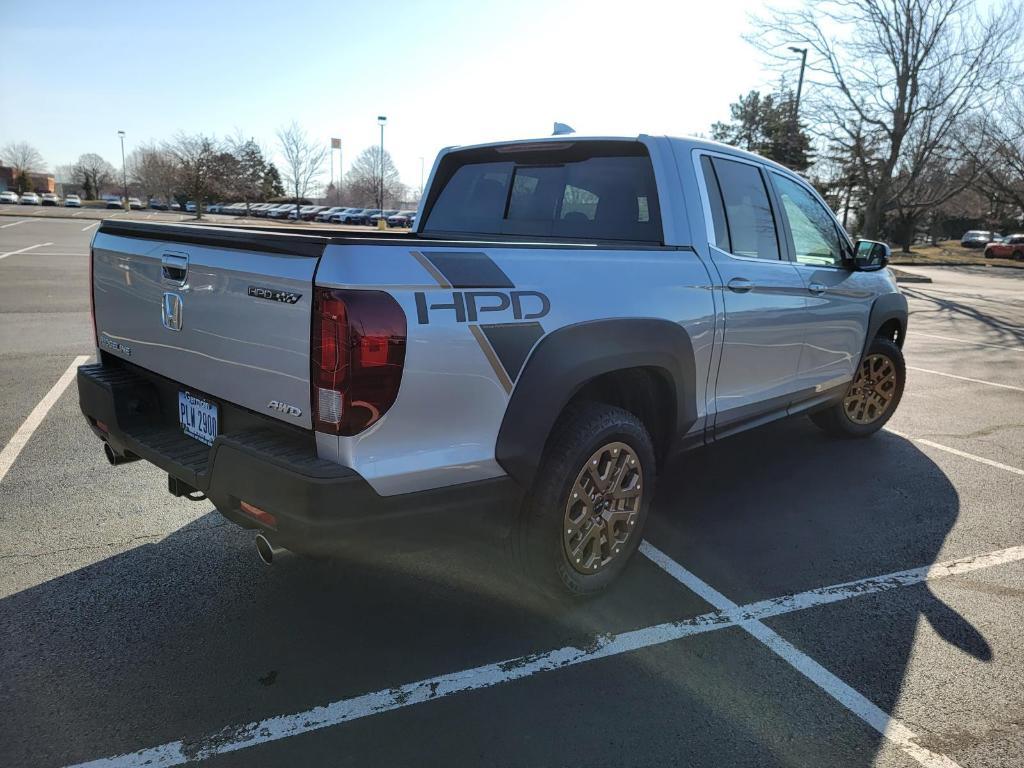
x,y
695,143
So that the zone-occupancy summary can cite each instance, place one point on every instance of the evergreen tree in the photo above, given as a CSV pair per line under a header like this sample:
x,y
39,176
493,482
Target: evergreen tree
x,y
766,125
272,185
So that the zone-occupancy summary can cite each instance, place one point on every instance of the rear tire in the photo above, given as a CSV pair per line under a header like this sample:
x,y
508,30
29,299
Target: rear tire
x,y
873,394
584,516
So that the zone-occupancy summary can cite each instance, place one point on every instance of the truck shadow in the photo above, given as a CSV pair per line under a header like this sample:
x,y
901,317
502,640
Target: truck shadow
x,y
180,637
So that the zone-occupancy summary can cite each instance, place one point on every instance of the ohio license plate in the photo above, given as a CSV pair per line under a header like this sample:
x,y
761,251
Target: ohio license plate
x,y
198,417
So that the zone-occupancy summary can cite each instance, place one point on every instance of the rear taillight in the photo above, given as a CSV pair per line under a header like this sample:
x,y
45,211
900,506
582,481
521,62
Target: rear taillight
x,y
92,295
357,351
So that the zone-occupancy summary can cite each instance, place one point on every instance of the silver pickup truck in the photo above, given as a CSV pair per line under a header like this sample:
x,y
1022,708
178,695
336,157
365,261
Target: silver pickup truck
x,y
568,314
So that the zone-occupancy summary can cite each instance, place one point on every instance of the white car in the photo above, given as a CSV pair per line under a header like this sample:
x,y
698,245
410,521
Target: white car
x,y
49,198
29,198
73,201
8,196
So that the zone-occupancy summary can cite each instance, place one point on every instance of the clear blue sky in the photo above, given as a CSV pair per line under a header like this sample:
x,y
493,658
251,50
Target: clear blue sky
x,y
443,72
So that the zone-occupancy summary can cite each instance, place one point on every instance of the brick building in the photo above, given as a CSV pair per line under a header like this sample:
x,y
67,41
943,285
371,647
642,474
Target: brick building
x,y
39,182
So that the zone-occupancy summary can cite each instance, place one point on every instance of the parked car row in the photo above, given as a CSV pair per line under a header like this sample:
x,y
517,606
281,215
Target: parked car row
x,y
32,198
329,214
978,238
162,205
336,214
133,203
1009,247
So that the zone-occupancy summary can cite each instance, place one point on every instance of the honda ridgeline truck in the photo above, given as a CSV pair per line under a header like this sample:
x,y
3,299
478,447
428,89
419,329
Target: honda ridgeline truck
x,y
568,314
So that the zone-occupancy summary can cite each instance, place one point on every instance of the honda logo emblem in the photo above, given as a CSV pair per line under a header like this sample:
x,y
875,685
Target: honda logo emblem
x,y
170,311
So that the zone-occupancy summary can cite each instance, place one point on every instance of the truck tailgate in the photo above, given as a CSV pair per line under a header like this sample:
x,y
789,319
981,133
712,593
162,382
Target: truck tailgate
x,y
229,318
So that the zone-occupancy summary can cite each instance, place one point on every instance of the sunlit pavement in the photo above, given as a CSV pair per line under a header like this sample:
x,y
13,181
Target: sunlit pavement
x,y
137,627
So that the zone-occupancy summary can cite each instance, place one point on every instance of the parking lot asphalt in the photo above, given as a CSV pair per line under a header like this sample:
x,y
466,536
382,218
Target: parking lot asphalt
x,y
136,628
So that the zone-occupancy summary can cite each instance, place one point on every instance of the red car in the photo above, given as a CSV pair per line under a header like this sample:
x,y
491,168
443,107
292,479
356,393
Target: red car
x,y
1010,247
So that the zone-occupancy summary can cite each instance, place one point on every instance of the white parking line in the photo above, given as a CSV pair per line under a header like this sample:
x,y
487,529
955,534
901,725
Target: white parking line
x,y
13,448
94,224
14,223
234,738
1008,347
965,378
892,728
24,250
957,452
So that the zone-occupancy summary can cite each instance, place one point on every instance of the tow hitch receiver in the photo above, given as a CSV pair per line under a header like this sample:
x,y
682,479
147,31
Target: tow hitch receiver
x,y
178,487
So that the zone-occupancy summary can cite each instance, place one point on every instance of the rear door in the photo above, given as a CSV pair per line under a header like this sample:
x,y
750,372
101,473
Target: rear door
x,y
762,293
228,318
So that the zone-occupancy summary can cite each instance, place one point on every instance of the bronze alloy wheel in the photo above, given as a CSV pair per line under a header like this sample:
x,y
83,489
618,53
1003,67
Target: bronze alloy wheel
x,y
872,390
602,509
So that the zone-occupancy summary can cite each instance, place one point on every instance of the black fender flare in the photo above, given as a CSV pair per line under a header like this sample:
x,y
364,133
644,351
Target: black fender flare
x,y
566,359
888,306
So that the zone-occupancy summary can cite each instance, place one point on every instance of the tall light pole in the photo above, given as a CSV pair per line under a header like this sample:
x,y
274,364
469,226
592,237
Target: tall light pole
x,y
381,119
124,172
794,135
800,82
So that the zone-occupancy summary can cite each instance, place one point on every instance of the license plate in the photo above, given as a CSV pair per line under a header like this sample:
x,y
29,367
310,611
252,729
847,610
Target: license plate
x,y
198,417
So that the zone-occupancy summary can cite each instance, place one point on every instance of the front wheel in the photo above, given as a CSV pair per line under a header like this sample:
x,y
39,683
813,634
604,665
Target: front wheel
x,y
873,395
584,516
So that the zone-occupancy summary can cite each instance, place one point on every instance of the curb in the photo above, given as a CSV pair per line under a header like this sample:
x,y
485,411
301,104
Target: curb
x,y
953,264
906,277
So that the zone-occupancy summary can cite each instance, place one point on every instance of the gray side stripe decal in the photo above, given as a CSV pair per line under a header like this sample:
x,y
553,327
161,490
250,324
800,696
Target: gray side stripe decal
x,y
512,343
467,269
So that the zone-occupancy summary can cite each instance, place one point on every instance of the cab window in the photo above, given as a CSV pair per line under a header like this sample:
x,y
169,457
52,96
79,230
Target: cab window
x,y
740,209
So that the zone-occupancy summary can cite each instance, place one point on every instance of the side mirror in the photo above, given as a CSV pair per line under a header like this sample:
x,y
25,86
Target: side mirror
x,y
870,255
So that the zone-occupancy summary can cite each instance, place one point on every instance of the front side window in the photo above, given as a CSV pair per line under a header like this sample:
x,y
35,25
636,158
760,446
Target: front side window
x,y
816,240
745,210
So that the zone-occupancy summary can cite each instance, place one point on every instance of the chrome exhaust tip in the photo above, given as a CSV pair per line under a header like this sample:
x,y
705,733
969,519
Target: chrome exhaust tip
x,y
118,458
267,551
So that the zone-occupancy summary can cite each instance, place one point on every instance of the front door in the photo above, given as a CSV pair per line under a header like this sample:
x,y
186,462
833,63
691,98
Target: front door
x,y
838,299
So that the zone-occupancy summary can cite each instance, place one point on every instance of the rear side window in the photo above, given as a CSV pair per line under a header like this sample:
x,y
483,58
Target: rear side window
x,y
605,197
749,224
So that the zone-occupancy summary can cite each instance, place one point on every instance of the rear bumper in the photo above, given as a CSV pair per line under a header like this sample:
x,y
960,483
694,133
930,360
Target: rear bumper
x,y
319,505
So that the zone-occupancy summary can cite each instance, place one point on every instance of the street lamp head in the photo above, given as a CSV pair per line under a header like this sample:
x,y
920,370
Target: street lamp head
x,y
794,49
121,134
381,119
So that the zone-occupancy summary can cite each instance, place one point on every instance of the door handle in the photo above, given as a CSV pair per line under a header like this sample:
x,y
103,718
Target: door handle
x,y
174,267
739,285
817,288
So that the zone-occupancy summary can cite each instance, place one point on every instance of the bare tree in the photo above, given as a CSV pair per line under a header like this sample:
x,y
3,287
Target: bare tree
x,y
197,160
22,157
92,173
362,182
250,170
889,82
1002,177
303,160
154,170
